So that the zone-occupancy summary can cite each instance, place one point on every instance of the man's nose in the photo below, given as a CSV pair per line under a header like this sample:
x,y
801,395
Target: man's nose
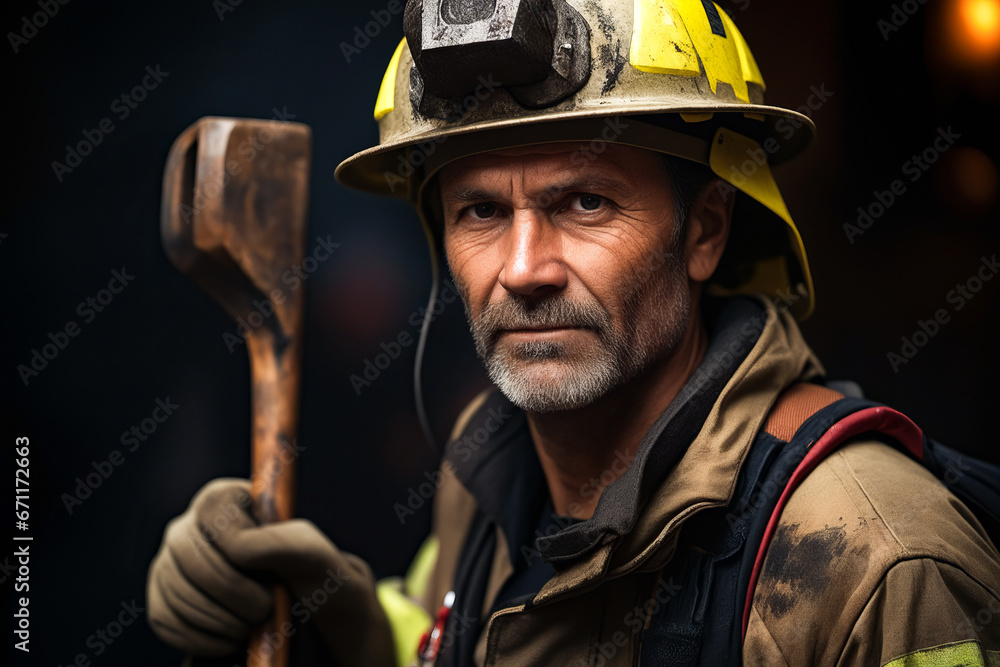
x,y
534,263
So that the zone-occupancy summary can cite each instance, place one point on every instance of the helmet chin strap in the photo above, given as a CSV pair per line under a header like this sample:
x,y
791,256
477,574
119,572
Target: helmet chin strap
x,y
418,392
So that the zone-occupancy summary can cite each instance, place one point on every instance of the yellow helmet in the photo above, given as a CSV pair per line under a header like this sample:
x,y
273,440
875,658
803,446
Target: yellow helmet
x,y
673,76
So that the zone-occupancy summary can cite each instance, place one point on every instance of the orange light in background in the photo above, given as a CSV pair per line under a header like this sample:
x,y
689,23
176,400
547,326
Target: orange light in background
x,y
982,21
968,182
974,29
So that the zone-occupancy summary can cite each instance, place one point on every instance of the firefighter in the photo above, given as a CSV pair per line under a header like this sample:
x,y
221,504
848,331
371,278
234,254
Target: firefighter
x,y
598,176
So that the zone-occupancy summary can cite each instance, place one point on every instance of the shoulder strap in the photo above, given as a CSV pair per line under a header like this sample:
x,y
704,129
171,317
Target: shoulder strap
x,y
795,405
723,549
800,405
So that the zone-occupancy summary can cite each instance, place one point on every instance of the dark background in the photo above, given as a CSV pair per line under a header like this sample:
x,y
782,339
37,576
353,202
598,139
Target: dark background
x,y
161,337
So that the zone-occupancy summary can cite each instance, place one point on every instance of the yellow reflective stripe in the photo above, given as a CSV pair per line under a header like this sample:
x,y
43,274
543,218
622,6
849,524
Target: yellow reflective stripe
x,y
408,619
957,654
748,65
718,54
660,43
672,38
419,573
387,91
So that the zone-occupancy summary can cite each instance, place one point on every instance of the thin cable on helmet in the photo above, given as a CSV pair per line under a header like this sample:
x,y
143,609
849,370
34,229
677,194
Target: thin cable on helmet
x,y
418,392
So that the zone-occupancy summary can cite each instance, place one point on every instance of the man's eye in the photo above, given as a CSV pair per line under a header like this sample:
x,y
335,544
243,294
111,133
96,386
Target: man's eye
x,y
483,211
586,202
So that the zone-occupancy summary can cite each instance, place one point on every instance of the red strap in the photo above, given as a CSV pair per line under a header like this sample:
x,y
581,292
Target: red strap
x,y
882,420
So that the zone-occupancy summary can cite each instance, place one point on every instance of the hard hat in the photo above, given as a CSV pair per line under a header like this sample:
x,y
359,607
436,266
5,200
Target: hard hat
x,y
673,76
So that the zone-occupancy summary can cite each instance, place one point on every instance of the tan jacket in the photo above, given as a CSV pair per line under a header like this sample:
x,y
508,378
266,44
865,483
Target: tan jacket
x,y
873,558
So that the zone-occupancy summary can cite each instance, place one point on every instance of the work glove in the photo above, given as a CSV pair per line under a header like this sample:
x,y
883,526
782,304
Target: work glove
x,y
208,586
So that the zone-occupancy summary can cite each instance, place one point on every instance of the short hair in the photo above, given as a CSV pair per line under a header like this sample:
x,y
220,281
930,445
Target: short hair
x,y
687,180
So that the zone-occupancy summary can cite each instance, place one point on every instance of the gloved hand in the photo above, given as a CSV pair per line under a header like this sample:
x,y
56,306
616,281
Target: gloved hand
x,y
205,592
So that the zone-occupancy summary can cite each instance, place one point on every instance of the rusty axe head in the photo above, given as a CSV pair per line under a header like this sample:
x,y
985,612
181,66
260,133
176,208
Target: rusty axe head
x,y
233,217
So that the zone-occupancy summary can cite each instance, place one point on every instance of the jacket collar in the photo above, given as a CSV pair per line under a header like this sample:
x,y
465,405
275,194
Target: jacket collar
x,y
688,460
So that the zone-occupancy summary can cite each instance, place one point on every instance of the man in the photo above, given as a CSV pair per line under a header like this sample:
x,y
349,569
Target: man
x,y
598,176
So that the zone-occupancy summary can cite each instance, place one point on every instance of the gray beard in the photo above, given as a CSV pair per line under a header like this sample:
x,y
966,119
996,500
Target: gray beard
x,y
549,376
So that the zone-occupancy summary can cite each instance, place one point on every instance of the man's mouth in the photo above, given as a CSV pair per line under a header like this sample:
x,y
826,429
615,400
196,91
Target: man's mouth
x,y
541,330
544,327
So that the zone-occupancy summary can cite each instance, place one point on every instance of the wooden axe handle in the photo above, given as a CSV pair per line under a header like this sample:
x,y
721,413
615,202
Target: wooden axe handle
x,y
234,220
275,374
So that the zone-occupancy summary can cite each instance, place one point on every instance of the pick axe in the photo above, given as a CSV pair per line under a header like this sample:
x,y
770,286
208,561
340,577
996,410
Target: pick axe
x,y
233,219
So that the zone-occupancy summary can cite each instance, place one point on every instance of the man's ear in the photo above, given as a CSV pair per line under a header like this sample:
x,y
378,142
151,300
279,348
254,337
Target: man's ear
x,y
708,229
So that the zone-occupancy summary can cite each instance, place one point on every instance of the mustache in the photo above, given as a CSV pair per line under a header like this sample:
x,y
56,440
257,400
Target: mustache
x,y
518,312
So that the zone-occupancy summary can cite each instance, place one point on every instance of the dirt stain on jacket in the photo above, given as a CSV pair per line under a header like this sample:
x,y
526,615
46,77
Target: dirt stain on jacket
x,y
801,565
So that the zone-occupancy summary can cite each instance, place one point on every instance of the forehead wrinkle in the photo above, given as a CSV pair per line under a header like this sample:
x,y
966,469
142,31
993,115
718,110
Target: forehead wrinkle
x,y
586,183
518,175
469,194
